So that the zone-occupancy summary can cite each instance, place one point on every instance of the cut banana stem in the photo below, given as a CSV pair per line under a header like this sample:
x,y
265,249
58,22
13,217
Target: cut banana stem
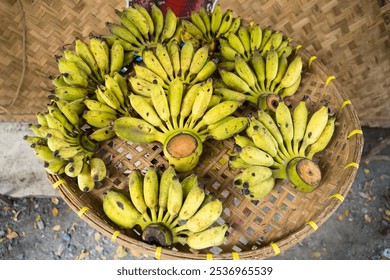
x,y
304,174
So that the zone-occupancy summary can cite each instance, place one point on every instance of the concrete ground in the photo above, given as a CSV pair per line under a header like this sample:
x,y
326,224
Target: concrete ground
x,y
36,224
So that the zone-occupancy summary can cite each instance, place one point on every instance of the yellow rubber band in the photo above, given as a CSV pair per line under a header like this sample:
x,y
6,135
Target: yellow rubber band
x,y
338,196
275,248
297,48
353,132
83,210
235,256
329,79
59,182
157,254
352,164
345,103
311,59
289,39
115,235
313,225
209,257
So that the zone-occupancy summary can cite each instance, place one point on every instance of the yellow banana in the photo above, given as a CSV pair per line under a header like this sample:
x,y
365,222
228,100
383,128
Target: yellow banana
x,y
315,126
164,59
75,166
109,97
102,134
192,202
98,169
175,97
98,119
288,91
175,199
83,51
187,103
236,43
218,112
199,60
113,86
206,20
226,22
252,175
128,23
130,41
208,69
189,182
214,236
151,191
139,20
165,182
256,35
201,101
160,104
68,152
267,33
147,16
203,218
258,65
255,156
258,190
292,74
229,94
228,129
153,64
145,110
192,29
70,93
263,139
136,192
148,75
284,120
75,80
186,55
299,117
322,141
117,54
216,19
43,152
236,23
197,20
69,112
228,53
244,36
137,131
245,72
271,67
94,105
55,166
84,180
140,86
170,24
158,20
234,81
120,210
98,49
282,67
174,55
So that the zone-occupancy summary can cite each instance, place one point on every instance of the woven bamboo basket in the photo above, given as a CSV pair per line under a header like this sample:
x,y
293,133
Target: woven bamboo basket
x,y
258,229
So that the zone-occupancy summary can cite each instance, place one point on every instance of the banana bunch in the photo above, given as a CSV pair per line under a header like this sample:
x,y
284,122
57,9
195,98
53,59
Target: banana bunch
x,y
167,210
166,63
206,27
181,118
282,146
139,29
64,147
85,67
249,39
264,80
109,103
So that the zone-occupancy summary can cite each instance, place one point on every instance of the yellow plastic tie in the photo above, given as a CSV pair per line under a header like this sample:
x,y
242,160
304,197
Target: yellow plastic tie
x,y
352,164
297,48
313,225
83,210
275,248
235,255
209,257
345,103
311,59
115,235
59,182
329,79
353,132
338,196
157,254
